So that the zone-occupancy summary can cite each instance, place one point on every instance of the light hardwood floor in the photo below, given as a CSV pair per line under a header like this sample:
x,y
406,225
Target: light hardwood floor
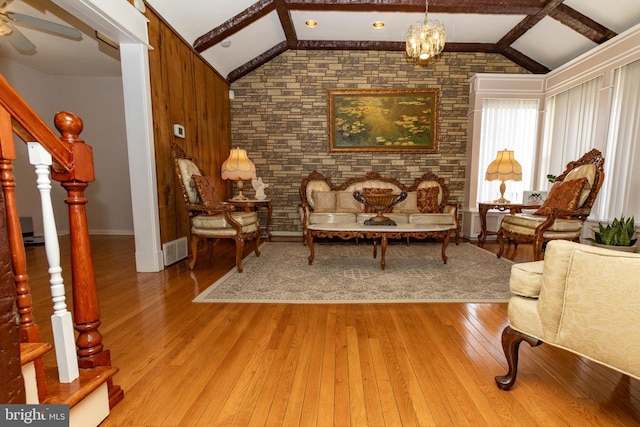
x,y
186,364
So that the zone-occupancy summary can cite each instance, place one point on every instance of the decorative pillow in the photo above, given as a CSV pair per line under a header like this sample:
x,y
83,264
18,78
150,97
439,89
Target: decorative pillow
x,y
324,201
206,190
375,191
408,205
345,203
428,199
563,195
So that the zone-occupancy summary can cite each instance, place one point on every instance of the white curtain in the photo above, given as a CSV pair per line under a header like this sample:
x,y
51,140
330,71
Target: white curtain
x,y
570,128
510,124
620,193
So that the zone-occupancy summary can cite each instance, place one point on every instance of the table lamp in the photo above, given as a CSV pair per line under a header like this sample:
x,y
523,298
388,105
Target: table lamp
x,y
239,168
504,168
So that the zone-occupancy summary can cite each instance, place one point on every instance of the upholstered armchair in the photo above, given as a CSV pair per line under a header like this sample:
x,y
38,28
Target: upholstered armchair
x,y
581,298
210,218
563,213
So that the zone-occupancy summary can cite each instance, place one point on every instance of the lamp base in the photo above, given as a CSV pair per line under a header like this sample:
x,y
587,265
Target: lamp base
x,y
503,187
501,200
240,196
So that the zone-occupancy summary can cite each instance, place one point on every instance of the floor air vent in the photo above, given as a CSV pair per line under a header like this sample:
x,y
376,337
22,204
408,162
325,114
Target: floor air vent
x,y
174,251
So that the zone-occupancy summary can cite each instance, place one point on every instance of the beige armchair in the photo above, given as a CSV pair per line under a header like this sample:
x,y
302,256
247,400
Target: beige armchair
x,y
210,218
563,213
580,298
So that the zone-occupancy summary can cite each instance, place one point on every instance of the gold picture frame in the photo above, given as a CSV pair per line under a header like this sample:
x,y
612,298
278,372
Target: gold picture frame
x,y
383,120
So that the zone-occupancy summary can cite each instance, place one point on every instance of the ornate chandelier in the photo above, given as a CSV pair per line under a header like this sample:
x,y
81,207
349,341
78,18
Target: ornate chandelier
x,y
425,39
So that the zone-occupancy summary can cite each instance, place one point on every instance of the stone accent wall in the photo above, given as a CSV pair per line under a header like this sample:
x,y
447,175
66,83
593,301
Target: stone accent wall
x,y
279,115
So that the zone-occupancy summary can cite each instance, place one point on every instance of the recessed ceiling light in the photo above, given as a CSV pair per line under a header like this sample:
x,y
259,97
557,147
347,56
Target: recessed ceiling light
x,y
311,23
378,24
225,43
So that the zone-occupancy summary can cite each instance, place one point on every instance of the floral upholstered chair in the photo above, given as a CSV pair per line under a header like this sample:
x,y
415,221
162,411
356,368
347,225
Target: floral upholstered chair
x,y
563,213
210,218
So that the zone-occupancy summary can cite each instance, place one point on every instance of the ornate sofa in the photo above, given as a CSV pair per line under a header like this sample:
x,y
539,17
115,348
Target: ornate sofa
x,y
580,298
322,202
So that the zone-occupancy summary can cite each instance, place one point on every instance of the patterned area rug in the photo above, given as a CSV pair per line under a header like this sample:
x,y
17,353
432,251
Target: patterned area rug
x,y
345,273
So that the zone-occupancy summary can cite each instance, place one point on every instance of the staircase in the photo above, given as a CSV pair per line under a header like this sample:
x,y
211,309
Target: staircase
x,y
83,375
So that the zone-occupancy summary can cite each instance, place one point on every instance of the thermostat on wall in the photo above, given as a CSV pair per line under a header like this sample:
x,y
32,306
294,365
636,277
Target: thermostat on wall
x,y
178,130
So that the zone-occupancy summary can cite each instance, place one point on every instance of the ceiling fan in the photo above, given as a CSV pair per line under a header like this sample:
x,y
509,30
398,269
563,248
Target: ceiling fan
x,y
19,41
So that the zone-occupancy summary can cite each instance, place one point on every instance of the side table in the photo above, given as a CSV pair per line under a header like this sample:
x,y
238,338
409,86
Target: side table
x,y
256,205
484,207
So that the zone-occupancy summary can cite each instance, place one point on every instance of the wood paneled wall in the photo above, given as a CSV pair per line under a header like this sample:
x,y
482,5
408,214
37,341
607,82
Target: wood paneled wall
x,y
186,91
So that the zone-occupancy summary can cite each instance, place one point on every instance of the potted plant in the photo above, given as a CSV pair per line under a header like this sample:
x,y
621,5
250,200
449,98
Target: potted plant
x,y
619,235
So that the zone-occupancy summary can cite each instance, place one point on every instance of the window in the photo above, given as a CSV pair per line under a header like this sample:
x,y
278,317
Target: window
x,y
510,124
570,127
622,158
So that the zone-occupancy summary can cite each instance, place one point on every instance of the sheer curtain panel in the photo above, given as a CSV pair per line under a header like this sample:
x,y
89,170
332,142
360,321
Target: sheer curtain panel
x,y
507,124
621,188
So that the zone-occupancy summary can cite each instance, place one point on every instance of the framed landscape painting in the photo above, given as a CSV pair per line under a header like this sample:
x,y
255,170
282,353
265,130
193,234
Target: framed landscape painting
x,y
383,120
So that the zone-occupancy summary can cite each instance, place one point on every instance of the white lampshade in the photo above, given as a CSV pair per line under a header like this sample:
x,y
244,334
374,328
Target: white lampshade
x,y
504,168
238,166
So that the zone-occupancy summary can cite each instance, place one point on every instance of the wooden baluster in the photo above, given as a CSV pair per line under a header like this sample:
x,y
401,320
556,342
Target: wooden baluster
x,y
61,322
12,388
29,330
86,310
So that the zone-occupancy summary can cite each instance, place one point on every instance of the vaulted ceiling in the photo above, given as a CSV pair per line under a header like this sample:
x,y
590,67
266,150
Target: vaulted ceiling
x,y
237,36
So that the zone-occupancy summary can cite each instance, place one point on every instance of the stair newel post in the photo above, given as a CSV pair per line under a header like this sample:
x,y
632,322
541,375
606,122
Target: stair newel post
x,y
86,311
61,321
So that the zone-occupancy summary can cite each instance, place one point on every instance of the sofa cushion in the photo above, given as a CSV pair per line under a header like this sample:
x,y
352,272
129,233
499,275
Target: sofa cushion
x,y
432,218
206,190
331,218
324,201
430,184
211,222
563,195
428,199
526,279
583,171
187,170
345,203
408,205
399,218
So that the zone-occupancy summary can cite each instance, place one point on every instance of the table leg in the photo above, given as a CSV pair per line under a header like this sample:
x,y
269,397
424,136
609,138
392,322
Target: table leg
x,y
375,248
266,227
310,244
445,243
383,250
482,237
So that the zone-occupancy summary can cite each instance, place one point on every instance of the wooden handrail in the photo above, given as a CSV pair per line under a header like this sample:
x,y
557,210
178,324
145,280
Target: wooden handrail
x,y
73,168
30,123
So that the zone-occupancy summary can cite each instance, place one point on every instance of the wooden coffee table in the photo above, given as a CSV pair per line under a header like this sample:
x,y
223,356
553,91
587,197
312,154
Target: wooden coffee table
x,y
352,230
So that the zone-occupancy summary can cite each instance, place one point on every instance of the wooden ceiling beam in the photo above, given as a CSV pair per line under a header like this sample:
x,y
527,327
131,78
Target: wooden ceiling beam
x,y
257,62
233,25
527,23
287,24
507,7
582,24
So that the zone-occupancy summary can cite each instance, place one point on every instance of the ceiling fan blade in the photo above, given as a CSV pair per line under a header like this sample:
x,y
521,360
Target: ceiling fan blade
x,y
20,42
42,24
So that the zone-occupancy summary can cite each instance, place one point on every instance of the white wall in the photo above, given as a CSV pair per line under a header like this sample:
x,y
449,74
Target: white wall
x,y
99,102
